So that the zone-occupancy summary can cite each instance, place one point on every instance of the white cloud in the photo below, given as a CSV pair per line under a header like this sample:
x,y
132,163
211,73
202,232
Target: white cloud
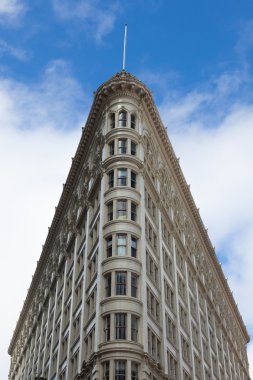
x,y
18,53
40,126
211,130
11,10
245,40
97,18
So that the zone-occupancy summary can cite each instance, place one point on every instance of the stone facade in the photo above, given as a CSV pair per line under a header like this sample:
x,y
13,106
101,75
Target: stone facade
x,y
128,285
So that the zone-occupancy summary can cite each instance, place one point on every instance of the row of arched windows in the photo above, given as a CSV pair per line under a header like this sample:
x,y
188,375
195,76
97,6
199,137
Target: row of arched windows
x,y
125,120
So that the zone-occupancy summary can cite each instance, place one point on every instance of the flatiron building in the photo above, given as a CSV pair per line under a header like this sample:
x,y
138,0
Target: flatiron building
x,y
128,286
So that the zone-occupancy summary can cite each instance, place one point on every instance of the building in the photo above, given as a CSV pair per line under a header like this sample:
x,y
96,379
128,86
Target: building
x,y
128,286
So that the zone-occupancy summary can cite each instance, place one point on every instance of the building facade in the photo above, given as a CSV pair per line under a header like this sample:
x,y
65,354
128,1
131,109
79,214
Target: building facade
x,y
128,286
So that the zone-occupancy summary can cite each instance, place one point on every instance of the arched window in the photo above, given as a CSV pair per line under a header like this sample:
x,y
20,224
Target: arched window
x,y
122,119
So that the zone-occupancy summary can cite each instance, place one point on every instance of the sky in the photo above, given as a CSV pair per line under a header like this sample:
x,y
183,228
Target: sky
x,y
196,56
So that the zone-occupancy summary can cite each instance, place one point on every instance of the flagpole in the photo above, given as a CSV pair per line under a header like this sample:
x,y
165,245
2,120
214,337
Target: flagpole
x,y
124,50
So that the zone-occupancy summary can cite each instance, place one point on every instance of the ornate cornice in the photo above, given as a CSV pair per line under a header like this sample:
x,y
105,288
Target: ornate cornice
x,y
120,84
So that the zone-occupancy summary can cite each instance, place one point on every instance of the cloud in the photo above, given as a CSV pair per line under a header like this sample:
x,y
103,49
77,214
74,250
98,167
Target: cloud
x,y
97,19
11,11
13,51
40,126
211,130
245,40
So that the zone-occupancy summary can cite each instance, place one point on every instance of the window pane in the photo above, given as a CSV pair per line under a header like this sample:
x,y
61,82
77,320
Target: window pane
x,y
120,370
134,328
134,371
106,371
133,180
121,283
122,177
122,119
120,326
133,246
108,283
133,148
107,322
121,244
133,211
133,123
134,278
109,246
110,211
122,209
112,120
111,178
111,148
122,146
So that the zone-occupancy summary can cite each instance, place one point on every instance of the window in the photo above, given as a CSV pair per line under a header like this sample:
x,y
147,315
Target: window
x,y
110,211
168,264
133,246
134,371
183,317
121,244
122,146
120,370
106,370
112,120
133,179
121,209
111,148
153,305
185,349
108,284
181,287
152,269
133,211
197,365
171,330
154,345
133,148
122,119
169,296
133,121
122,177
111,179
121,283
134,328
134,279
195,335
109,246
186,375
120,326
172,366
107,324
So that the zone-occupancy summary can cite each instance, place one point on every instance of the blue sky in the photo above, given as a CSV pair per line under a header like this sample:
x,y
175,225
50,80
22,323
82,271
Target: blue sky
x,y
196,58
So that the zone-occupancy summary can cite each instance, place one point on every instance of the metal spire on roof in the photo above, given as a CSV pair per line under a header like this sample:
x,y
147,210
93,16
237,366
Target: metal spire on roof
x,y
124,50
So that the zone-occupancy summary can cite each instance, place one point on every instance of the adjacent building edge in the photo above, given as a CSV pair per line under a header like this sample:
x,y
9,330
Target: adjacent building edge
x,y
128,285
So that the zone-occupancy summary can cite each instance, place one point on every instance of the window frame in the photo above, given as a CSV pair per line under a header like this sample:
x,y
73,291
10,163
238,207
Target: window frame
x,y
112,120
122,246
109,245
120,326
107,328
120,283
122,118
122,146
